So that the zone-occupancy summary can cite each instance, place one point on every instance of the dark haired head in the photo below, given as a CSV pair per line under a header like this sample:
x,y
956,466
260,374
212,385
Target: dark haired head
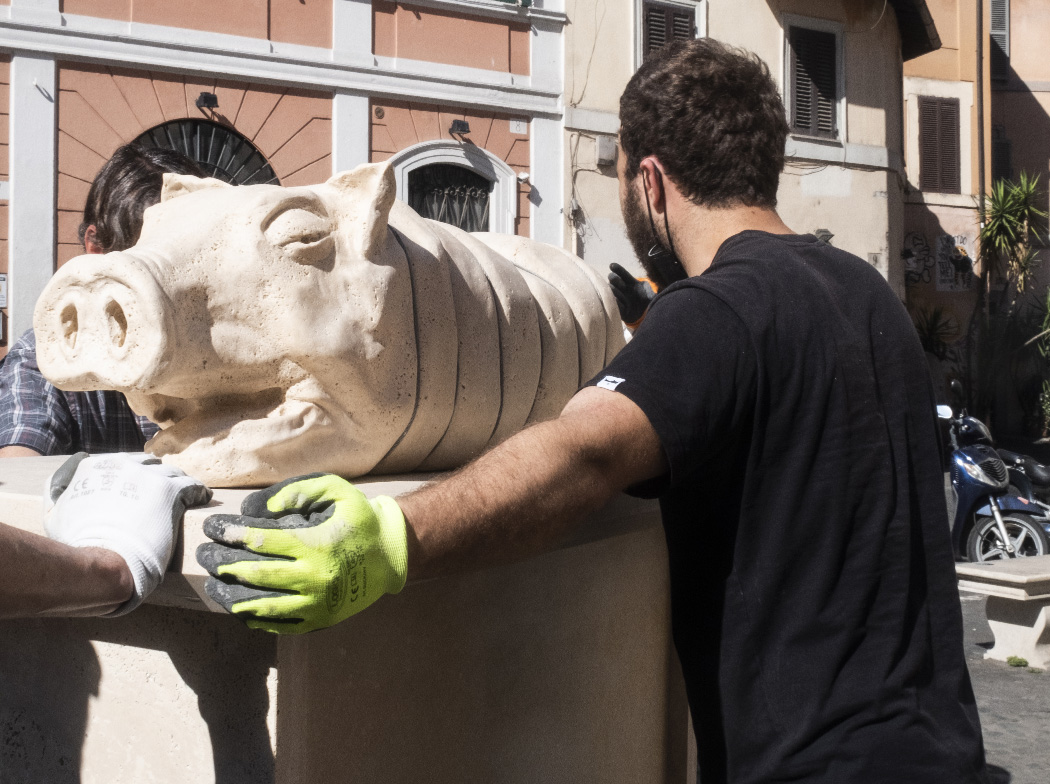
x,y
713,117
125,186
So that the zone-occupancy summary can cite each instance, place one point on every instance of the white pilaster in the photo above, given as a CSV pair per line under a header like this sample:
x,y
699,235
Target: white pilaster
x,y
546,213
547,56
352,31
38,11
33,153
350,131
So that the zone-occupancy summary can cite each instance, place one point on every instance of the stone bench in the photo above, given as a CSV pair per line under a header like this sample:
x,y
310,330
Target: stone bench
x,y
1018,608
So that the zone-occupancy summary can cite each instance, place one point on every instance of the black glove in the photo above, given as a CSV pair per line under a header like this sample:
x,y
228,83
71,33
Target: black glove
x,y
632,295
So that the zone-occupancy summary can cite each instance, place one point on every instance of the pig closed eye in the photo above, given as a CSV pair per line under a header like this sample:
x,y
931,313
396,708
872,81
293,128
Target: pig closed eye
x,y
304,235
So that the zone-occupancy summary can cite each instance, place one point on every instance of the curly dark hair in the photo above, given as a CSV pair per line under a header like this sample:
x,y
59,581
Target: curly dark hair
x,y
713,117
124,187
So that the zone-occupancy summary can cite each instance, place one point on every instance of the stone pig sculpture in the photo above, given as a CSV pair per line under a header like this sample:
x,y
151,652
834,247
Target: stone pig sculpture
x,y
276,331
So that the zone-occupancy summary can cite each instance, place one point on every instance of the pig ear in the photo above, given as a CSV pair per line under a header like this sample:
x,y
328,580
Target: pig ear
x,y
371,187
180,184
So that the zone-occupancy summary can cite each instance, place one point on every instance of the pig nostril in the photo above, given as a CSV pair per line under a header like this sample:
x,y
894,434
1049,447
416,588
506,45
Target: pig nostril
x,y
117,322
69,325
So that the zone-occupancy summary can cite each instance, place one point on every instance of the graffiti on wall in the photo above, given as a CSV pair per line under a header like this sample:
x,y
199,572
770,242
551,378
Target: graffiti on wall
x,y
947,261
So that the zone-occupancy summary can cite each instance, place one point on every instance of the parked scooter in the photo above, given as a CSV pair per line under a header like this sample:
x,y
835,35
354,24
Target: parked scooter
x,y
990,522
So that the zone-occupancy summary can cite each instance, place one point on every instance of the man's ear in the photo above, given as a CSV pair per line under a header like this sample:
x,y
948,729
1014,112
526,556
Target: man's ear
x,y
369,191
90,242
653,182
176,185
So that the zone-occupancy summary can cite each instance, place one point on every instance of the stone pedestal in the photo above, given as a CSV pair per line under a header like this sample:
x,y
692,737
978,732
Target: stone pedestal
x,y
558,669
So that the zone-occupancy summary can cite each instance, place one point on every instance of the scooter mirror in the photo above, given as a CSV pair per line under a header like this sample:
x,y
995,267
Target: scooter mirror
x,y
944,412
957,388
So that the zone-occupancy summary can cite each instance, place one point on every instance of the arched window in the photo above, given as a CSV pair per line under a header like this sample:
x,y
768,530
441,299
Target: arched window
x,y
450,194
459,184
221,151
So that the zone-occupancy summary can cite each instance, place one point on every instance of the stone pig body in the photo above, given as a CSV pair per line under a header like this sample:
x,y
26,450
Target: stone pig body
x,y
278,331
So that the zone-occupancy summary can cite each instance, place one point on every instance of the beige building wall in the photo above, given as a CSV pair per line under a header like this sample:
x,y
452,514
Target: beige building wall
x,y
599,60
850,187
1021,105
306,22
101,108
941,227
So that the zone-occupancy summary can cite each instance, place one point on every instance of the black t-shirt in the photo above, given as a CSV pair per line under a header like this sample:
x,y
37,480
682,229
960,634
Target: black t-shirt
x,y
813,594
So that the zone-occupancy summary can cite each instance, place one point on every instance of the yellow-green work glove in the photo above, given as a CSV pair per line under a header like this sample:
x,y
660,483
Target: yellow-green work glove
x,y
304,554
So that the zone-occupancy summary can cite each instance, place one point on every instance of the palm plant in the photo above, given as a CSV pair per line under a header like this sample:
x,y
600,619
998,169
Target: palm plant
x,y
1000,339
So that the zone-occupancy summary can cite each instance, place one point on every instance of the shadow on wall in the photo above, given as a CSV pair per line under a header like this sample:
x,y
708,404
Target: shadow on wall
x,y
110,699
1021,131
941,287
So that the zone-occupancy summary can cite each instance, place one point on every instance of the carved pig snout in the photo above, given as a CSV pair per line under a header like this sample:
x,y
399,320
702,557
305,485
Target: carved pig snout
x,y
103,322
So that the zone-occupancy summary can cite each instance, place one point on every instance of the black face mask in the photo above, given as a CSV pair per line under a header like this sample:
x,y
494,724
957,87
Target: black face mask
x,y
663,265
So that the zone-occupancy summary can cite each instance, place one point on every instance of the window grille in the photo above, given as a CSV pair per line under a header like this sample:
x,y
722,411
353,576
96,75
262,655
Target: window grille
x,y
451,194
662,24
814,82
939,144
1000,40
220,151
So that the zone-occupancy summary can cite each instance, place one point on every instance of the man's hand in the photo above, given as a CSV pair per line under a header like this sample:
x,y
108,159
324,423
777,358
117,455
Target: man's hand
x,y
131,504
305,554
632,295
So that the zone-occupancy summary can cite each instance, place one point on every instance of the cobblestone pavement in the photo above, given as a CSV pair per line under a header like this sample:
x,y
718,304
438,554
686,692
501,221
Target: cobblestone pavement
x,y
1014,705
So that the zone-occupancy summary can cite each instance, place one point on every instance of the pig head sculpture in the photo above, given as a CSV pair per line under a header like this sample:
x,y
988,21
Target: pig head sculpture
x,y
277,331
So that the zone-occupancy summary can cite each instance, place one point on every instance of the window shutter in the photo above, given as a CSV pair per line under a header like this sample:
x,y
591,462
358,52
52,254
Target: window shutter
x,y
663,24
1000,39
814,82
939,145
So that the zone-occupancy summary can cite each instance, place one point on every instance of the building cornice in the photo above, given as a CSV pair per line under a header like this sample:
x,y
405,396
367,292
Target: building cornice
x,y
919,34
111,42
491,8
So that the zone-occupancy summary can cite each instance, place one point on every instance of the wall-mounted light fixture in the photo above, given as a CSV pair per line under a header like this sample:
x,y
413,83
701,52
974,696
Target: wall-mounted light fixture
x,y
459,128
207,101
823,235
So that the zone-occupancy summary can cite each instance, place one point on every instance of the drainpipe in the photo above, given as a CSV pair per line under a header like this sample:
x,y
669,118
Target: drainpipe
x,y
980,109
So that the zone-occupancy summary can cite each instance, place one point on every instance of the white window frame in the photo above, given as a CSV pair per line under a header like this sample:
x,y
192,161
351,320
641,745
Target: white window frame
x,y
700,15
787,21
935,88
503,203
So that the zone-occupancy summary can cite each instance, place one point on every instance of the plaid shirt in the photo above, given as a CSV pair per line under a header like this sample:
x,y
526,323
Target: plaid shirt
x,y
35,414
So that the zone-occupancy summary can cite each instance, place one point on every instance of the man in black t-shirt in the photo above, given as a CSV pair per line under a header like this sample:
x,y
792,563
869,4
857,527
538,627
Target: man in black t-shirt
x,y
777,401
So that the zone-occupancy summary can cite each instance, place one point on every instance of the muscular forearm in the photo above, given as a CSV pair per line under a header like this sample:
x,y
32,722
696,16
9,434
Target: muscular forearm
x,y
41,577
522,497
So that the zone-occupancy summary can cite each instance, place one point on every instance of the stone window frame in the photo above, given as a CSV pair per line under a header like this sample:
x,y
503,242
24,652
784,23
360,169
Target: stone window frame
x,y
789,21
503,204
698,7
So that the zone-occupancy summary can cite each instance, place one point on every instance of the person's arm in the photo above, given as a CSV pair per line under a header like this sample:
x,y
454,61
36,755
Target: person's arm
x,y
39,576
522,497
35,418
15,450
312,551
128,503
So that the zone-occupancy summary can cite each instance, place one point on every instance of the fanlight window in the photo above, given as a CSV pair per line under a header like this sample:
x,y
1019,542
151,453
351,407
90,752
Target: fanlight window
x,y
451,194
221,152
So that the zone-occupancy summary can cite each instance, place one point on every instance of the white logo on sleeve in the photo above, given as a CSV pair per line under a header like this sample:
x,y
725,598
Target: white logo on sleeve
x,y
610,382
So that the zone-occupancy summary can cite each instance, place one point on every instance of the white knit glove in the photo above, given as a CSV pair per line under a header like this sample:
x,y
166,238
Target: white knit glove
x,y
130,503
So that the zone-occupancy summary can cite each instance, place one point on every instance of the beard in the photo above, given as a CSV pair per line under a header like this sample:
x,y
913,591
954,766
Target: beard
x,y
639,230
637,227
